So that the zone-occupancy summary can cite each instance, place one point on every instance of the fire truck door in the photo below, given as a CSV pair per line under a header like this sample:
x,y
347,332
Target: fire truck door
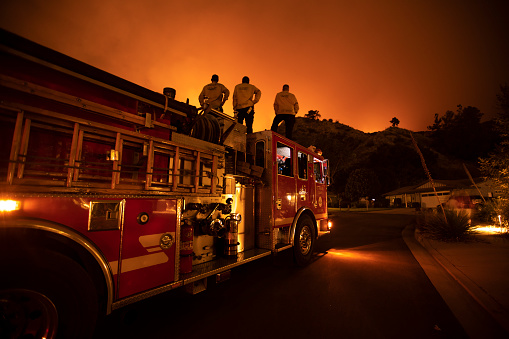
x,y
148,245
305,182
320,187
285,208
312,185
316,169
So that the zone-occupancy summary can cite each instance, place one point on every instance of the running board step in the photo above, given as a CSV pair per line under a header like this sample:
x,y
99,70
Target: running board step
x,y
216,266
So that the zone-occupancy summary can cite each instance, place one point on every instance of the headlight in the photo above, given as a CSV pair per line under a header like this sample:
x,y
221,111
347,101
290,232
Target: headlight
x,y
9,205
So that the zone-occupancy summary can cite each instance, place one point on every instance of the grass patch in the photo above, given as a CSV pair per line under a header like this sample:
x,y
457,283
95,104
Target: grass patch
x,y
356,209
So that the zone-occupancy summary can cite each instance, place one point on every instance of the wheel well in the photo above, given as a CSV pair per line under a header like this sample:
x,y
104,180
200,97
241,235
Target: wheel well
x,y
302,212
312,216
30,241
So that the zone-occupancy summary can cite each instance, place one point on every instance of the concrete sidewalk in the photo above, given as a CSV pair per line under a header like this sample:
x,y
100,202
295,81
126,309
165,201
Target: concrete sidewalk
x,y
481,267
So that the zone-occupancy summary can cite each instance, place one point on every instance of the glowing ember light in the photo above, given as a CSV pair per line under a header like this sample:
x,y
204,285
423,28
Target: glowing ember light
x,y
9,205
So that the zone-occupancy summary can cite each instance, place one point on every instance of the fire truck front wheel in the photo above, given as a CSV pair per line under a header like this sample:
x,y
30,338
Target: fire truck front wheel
x,y
44,294
304,241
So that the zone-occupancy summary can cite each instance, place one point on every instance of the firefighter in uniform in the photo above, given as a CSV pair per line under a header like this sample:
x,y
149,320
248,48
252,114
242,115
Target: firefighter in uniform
x,y
213,95
243,102
285,107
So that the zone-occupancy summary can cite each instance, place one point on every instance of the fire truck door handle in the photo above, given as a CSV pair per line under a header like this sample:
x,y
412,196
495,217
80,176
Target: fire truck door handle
x,y
207,247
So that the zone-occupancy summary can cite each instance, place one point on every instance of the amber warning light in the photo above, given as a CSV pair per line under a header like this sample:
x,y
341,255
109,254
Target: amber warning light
x,y
9,205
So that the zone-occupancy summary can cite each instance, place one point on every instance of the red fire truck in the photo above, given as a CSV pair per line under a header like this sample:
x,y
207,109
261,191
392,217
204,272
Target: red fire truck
x,y
112,193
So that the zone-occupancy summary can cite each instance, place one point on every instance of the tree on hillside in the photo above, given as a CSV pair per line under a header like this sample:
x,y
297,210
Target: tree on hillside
x,y
361,183
313,115
462,135
394,122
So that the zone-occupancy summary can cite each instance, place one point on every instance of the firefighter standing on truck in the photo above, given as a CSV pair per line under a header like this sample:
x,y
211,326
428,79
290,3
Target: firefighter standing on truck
x,y
213,95
285,108
243,102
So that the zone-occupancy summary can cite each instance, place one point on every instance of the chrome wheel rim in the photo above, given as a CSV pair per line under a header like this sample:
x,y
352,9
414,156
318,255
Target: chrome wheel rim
x,y
305,240
26,313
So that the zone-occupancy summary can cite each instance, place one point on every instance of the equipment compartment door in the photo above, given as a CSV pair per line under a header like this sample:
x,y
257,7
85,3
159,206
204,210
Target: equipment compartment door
x,y
148,245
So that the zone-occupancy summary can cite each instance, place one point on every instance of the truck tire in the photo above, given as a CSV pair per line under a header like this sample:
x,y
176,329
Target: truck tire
x,y
304,241
46,295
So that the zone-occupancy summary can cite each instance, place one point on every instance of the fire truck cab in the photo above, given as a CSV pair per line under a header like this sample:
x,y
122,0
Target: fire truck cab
x,y
291,193
113,193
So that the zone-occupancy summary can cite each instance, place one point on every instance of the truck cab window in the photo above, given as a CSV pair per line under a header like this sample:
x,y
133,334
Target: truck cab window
x,y
326,171
317,167
284,160
302,161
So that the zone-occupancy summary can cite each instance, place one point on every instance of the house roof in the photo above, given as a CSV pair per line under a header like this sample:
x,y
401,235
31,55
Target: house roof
x,y
440,185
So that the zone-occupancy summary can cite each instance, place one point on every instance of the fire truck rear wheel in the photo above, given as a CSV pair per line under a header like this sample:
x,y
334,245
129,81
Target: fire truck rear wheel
x,y
304,241
44,294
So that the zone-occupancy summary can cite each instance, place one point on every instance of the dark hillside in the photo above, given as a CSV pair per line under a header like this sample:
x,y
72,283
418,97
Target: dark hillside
x,y
389,153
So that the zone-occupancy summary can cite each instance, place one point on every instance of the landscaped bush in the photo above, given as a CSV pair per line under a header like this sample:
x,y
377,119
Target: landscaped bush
x,y
434,225
490,211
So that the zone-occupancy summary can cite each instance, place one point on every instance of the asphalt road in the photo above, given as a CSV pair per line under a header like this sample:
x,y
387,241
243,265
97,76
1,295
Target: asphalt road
x,y
363,283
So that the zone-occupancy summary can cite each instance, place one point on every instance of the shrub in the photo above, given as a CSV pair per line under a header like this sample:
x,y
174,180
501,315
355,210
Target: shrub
x,y
456,228
490,211
360,204
345,204
382,203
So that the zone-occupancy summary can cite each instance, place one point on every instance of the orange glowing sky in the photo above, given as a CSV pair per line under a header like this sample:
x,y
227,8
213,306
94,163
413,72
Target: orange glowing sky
x,y
358,62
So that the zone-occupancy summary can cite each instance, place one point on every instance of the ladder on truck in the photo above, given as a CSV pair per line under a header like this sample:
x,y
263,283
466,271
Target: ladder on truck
x,y
54,152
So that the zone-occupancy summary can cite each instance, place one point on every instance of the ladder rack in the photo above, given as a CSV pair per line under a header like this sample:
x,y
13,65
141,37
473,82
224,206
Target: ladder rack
x,y
54,152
